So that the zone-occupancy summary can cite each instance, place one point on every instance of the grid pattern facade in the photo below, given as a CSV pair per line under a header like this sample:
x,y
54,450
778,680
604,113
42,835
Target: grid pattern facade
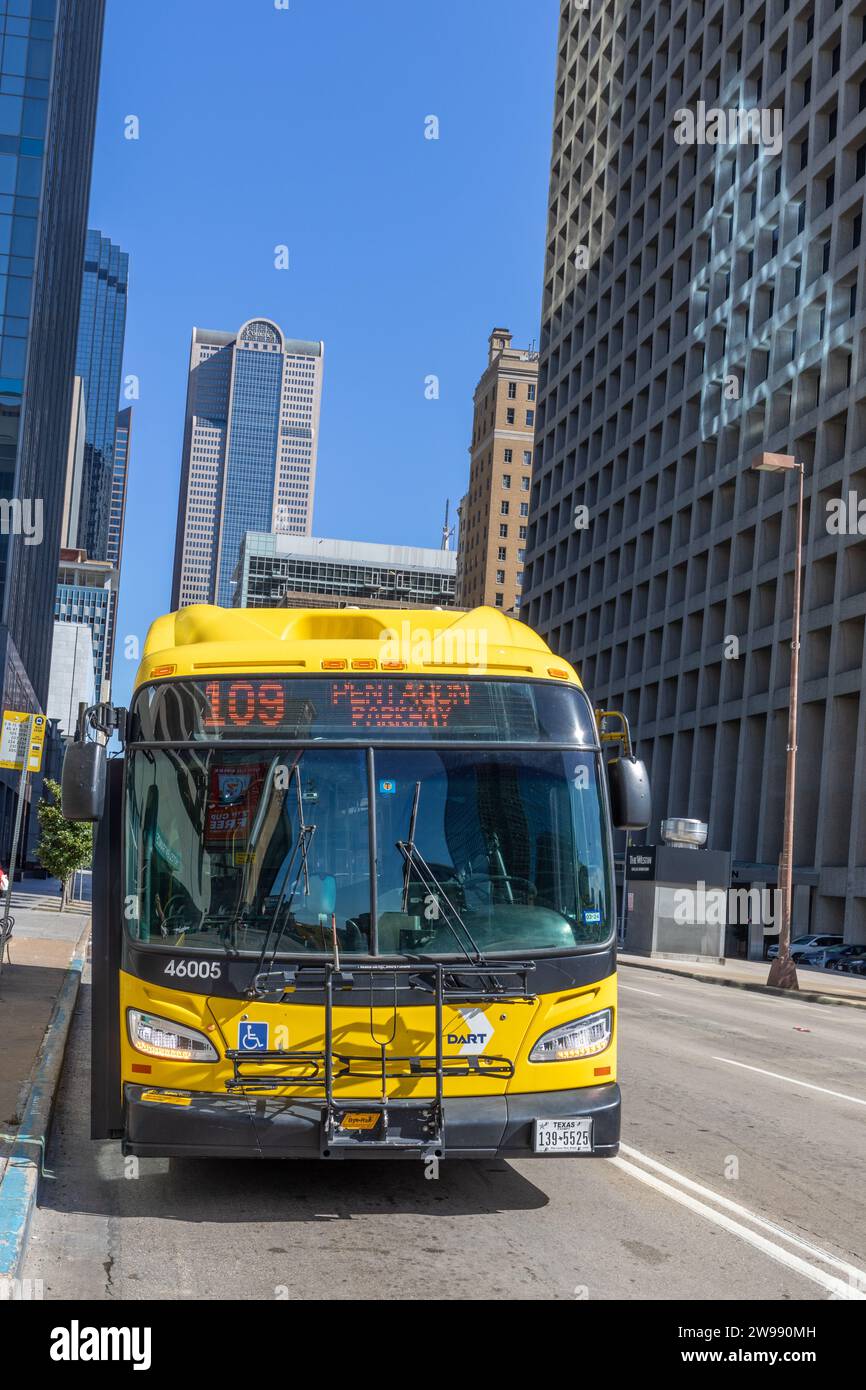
x,y
276,572
249,461
494,513
702,303
99,363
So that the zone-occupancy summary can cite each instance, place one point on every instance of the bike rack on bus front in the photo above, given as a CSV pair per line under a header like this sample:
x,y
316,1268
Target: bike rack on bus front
x,y
382,1122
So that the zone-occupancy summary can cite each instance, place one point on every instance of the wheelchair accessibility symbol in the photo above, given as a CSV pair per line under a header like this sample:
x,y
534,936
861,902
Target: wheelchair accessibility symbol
x,y
252,1037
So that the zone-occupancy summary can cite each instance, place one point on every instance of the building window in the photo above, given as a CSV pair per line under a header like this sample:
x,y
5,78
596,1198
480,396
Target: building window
x,y
509,455
521,533
524,483
503,531
530,392
512,390
499,600
527,458
500,554
530,417
504,508
524,509
506,480
509,417
500,576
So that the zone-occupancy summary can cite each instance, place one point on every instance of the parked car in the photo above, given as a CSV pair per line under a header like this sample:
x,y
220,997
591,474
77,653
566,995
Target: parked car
x,y
805,943
826,957
857,966
842,958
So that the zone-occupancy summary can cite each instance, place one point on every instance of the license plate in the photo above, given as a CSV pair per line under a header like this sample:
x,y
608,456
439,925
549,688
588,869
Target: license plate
x,y
564,1136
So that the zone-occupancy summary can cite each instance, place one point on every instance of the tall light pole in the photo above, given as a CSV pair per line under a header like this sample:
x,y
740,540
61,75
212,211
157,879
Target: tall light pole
x,y
783,972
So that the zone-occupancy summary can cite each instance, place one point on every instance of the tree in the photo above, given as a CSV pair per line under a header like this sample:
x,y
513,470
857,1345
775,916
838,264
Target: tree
x,y
64,845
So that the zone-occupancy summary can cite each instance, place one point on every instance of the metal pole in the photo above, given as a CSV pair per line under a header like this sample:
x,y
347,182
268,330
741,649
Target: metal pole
x,y
783,972
624,887
19,815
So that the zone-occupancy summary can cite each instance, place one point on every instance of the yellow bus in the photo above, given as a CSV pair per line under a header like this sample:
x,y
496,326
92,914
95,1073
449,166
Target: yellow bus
x,y
353,890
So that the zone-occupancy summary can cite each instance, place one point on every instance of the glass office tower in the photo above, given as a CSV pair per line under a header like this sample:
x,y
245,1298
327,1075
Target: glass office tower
x,y
49,72
249,451
99,363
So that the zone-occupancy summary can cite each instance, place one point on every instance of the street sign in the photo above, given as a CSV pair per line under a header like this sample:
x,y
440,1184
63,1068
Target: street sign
x,y
18,741
37,743
14,740
641,862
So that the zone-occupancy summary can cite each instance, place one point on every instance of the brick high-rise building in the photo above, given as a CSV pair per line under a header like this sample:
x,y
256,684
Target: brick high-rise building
x,y
494,513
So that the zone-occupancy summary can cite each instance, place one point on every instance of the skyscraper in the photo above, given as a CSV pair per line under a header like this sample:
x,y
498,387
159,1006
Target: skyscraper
x,y
249,451
99,363
119,482
494,514
702,304
49,72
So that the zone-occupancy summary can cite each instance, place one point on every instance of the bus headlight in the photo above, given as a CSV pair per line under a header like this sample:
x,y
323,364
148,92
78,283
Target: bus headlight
x,y
582,1038
162,1037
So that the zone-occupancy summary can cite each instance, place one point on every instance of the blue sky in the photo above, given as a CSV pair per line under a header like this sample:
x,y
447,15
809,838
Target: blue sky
x,y
305,127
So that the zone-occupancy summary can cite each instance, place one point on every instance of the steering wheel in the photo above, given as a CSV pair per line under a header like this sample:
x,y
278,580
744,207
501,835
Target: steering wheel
x,y
174,906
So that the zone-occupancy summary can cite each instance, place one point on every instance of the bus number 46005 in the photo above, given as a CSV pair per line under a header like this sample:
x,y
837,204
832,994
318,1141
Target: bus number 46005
x,y
203,969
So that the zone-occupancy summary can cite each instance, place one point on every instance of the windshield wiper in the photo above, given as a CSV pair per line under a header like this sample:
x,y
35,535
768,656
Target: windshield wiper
x,y
431,885
302,844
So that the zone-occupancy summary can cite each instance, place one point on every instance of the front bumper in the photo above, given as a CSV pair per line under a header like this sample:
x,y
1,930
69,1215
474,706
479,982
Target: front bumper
x,y
210,1125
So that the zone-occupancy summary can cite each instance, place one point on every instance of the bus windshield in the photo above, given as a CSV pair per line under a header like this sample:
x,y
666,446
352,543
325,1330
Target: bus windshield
x,y
230,848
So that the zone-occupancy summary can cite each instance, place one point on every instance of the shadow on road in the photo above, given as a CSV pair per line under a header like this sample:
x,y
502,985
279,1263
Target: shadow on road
x,y
94,1177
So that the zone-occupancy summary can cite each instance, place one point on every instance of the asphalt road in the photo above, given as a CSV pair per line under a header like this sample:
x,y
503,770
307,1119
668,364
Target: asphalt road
x,y
740,1176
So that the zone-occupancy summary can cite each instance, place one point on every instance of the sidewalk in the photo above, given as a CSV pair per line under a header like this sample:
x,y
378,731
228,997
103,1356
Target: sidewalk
x,y
827,986
42,946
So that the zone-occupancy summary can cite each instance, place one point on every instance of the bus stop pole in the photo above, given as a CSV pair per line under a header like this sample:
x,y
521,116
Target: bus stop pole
x,y
19,815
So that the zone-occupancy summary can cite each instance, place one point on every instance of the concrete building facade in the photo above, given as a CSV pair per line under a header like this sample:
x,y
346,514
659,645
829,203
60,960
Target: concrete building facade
x,y
494,513
703,300
74,467
249,451
87,595
311,572
72,675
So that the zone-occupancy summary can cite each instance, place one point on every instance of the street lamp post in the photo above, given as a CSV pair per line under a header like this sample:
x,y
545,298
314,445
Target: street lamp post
x,y
783,972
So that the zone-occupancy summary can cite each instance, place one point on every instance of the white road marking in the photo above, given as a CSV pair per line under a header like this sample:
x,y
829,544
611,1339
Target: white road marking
x,y
635,990
792,1080
855,1288
824,1256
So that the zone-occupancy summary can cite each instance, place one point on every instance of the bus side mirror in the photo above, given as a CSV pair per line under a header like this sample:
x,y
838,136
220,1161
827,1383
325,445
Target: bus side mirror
x,y
630,798
83,781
